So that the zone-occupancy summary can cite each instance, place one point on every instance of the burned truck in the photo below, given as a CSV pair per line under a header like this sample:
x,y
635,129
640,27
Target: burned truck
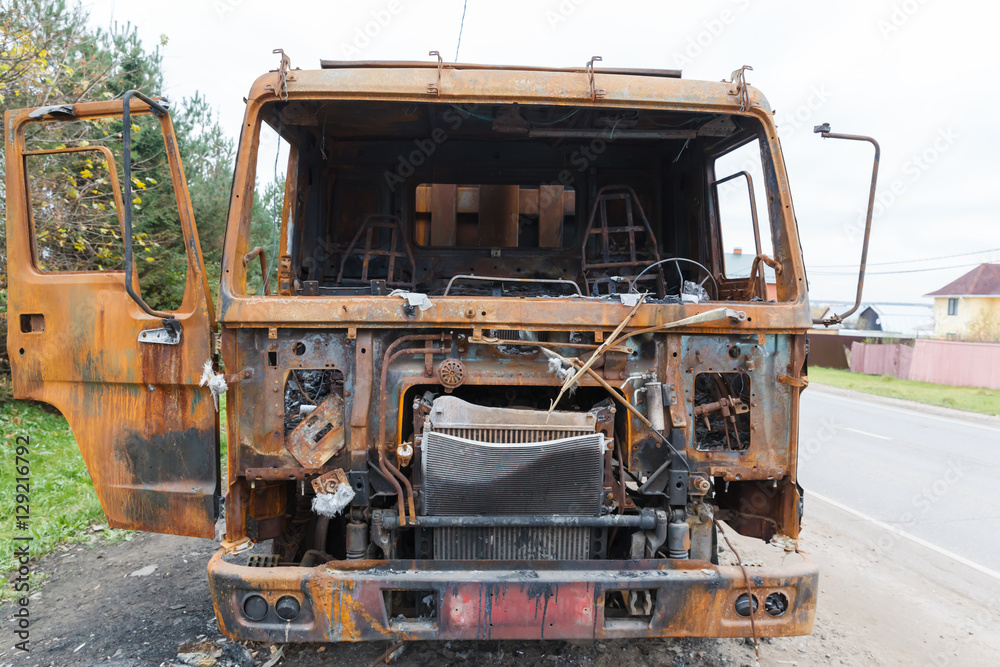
x,y
489,372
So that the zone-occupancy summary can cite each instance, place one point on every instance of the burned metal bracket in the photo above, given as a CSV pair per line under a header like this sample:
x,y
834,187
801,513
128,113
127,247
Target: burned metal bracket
x,y
736,316
329,481
284,66
595,92
669,394
282,474
285,281
793,381
739,80
320,435
358,480
161,336
670,479
435,88
233,378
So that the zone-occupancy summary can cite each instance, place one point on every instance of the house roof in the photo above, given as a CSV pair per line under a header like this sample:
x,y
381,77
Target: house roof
x,y
984,280
904,318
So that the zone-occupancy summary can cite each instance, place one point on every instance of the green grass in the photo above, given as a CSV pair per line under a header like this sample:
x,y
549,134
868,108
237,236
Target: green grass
x,y
62,499
63,504
971,399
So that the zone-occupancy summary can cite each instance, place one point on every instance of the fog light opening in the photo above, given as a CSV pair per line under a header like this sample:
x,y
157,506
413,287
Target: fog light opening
x,y
743,603
776,604
255,607
287,608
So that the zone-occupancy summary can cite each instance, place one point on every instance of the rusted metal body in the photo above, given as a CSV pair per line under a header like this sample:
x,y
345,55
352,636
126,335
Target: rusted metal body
x,y
388,166
509,600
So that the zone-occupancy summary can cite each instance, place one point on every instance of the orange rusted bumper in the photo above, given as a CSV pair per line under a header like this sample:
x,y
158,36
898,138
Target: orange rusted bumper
x,y
509,599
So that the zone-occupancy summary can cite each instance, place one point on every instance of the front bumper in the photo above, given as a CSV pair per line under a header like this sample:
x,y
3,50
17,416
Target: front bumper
x,y
345,601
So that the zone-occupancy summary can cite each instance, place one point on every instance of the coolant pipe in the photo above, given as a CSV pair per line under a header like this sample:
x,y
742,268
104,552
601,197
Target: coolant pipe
x,y
645,520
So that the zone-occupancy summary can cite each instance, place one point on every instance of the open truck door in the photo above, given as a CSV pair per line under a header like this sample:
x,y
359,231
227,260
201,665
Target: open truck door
x,y
125,376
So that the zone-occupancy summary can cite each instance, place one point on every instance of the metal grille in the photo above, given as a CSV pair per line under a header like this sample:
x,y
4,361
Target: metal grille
x,y
499,434
511,543
468,477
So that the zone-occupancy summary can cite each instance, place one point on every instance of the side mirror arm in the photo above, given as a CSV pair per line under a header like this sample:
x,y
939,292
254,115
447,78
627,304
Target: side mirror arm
x,y
824,131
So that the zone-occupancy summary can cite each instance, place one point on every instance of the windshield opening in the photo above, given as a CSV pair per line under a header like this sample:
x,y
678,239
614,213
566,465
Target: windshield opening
x,y
384,195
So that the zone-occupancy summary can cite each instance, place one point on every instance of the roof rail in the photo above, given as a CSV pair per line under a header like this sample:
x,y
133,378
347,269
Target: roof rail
x,y
390,64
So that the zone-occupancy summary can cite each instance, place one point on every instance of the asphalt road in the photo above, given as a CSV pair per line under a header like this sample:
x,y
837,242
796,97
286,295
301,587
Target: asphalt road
x,y
932,478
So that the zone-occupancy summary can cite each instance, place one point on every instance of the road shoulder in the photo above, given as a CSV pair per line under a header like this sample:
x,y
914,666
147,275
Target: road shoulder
x,y
925,408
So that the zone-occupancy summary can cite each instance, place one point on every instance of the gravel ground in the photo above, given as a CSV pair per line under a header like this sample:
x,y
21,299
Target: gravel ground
x,y
108,606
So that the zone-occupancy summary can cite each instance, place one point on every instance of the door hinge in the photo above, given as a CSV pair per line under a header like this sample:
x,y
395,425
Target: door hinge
x,y
793,381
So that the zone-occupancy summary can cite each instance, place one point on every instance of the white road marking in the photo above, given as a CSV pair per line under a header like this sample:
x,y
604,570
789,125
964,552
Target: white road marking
x,y
902,533
870,435
907,412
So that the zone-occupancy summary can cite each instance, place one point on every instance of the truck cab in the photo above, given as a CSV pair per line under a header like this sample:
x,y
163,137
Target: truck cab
x,y
489,370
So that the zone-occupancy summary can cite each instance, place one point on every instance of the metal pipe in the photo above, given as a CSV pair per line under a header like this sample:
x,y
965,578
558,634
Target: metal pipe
x,y
824,131
388,470
761,287
259,252
646,520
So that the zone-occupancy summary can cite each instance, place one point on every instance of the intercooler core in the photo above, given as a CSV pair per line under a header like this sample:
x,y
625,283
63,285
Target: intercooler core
x,y
481,461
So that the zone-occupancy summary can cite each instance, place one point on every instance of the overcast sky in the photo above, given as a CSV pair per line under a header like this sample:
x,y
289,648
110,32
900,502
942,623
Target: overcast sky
x,y
919,76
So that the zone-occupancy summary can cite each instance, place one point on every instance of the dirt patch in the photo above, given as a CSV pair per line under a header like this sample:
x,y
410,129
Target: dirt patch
x,y
93,611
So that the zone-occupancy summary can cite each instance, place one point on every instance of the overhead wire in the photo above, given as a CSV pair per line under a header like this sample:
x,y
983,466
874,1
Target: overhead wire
x,y
893,273
460,28
906,261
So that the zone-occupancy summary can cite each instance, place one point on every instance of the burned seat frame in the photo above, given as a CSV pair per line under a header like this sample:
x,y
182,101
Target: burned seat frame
x,y
398,248
611,235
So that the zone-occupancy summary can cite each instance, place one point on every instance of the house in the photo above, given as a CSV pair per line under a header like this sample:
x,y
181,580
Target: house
x,y
906,319
738,265
882,320
970,306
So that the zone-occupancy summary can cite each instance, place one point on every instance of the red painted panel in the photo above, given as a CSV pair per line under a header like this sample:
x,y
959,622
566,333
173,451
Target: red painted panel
x,y
521,610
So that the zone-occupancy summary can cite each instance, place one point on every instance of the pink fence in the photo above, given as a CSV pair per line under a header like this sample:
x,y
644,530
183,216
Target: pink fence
x,y
881,359
937,361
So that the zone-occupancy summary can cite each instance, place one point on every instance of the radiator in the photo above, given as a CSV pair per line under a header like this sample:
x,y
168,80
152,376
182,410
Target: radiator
x,y
502,461
520,543
468,477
